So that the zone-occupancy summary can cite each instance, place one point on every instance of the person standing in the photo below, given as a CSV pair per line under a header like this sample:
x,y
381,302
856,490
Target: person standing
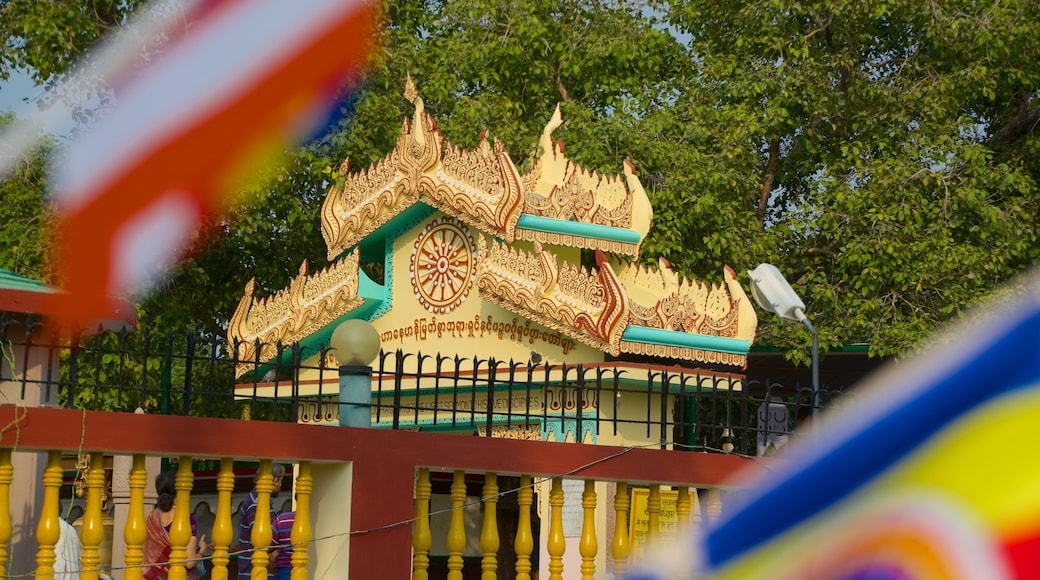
x,y
157,539
282,542
247,516
67,552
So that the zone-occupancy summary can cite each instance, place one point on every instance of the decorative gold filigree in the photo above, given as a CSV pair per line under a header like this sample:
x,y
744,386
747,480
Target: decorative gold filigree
x,y
442,268
559,188
365,201
482,185
661,300
308,304
683,353
589,306
524,432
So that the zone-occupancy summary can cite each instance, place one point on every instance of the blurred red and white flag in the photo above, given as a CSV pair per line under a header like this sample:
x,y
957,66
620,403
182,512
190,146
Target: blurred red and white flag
x,y
245,79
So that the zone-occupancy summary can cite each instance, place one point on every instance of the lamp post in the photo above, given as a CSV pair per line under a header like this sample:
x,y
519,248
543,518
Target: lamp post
x,y
356,343
773,294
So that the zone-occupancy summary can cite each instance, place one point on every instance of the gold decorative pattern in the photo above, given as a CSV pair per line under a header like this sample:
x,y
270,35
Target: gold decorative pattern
x,y
480,190
365,201
442,268
483,188
559,188
522,432
589,306
481,183
480,186
659,299
678,352
309,303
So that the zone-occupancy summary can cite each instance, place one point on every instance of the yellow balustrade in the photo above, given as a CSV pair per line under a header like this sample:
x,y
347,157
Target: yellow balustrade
x,y
135,531
302,534
223,533
180,527
93,531
6,476
456,541
489,541
556,544
588,547
621,547
523,544
653,515
682,509
422,538
262,530
48,530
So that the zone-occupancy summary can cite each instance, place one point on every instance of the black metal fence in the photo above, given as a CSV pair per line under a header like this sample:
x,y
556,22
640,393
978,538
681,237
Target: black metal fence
x,y
195,374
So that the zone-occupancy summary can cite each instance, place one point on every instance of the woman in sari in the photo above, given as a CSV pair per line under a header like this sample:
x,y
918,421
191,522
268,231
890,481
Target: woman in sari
x,y
157,542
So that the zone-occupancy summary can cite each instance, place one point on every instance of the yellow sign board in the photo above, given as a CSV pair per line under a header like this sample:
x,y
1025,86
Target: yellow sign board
x,y
639,518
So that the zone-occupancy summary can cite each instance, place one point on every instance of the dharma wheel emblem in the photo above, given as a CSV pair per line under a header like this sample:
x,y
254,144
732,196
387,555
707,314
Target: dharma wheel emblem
x,y
442,269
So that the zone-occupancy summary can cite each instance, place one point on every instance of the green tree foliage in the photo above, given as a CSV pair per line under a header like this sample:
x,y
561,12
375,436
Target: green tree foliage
x,y
24,229
48,39
884,156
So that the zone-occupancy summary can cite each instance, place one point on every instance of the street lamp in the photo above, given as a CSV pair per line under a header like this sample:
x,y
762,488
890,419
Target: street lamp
x,y
773,294
356,344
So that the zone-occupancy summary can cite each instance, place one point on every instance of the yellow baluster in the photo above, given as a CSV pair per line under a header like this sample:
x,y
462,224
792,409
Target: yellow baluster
x,y
6,476
135,531
93,530
456,541
588,547
697,521
262,530
301,531
556,543
714,503
621,547
489,534
523,544
653,514
422,539
223,534
682,509
180,527
47,530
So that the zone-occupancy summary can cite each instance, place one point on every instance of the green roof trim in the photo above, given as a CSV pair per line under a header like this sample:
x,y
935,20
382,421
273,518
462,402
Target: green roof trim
x,y
11,281
686,340
557,226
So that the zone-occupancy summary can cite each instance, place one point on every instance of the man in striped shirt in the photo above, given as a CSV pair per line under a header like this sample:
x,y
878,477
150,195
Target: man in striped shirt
x,y
245,523
282,542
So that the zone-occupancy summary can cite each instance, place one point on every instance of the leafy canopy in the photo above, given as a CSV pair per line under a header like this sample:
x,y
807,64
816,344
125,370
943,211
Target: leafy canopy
x,y
883,156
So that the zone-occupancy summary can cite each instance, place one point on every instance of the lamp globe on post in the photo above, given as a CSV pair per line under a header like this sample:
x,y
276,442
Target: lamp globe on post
x,y
355,344
773,294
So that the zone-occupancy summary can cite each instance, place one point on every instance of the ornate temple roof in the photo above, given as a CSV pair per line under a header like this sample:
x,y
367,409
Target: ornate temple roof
x,y
556,202
615,307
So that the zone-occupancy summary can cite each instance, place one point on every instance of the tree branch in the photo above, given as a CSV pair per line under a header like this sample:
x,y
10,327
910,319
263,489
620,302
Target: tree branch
x,y
1021,125
559,84
767,183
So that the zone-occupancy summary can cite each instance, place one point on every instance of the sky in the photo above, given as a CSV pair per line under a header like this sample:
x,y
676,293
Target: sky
x,y
18,94
14,90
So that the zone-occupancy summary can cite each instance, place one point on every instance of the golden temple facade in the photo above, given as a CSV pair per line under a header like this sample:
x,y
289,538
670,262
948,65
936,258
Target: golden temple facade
x,y
479,258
